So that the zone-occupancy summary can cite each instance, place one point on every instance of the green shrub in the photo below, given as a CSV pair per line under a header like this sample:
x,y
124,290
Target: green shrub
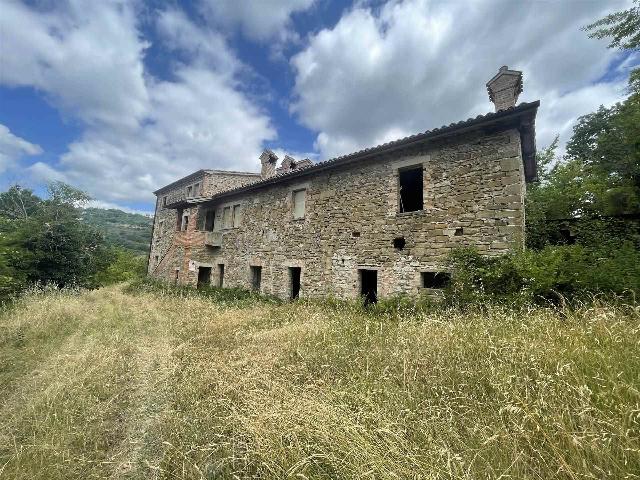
x,y
125,266
554,273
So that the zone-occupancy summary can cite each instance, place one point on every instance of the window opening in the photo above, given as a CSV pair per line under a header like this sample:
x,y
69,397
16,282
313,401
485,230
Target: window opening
x,y
226,218
236,216
435,279
299,203
411,189
210,220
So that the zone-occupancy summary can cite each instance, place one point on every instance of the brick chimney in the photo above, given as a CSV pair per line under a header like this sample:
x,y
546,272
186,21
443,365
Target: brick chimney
x,y
504,88
268,161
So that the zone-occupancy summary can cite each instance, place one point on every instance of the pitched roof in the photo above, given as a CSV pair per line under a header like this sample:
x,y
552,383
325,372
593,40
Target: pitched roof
x,y
201,173
523,110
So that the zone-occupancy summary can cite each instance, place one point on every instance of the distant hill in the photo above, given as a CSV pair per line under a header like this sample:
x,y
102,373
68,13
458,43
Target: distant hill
x,y
127,230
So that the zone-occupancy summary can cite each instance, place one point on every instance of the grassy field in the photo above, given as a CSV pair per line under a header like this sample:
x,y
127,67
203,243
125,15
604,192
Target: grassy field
x,y
110,384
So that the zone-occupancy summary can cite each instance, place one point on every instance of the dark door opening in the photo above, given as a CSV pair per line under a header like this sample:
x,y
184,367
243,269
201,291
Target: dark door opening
x,y
256,278
294,275
221,275
369,286
204,276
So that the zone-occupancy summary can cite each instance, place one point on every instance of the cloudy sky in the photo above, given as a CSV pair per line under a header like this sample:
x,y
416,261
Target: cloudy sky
x,y
121,97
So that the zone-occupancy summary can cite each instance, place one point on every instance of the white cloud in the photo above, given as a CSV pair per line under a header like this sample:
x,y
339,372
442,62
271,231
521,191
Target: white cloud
x,y
85,56
13,148
259,20
141,132
197,121
417,64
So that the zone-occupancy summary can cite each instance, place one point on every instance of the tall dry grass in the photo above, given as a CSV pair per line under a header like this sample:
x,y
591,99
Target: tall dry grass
x,y
158,385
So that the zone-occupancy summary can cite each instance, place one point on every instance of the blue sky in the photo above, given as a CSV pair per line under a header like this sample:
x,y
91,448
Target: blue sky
x,y
121,97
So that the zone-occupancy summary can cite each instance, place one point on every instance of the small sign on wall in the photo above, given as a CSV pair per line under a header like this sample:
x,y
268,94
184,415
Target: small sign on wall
x,y
192,266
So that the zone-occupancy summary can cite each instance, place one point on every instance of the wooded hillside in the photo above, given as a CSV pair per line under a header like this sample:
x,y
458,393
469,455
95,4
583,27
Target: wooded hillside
x,y
127,230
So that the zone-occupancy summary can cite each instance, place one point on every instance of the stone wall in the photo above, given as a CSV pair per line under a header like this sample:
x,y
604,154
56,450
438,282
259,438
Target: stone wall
x,y
473,195
165,226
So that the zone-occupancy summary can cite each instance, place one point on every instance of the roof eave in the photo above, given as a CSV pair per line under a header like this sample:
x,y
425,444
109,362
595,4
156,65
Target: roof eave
x,y
520,111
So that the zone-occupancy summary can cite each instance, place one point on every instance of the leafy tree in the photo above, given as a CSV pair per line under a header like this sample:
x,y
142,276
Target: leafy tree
x,y
599,176
18,202
623,28
46,241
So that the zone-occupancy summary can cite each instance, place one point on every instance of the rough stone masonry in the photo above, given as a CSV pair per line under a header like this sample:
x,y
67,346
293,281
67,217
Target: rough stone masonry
x,y
377,222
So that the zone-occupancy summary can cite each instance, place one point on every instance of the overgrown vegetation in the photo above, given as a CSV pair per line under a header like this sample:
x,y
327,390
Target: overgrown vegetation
x,y
46,241
552,275
583,217
102,383
227,296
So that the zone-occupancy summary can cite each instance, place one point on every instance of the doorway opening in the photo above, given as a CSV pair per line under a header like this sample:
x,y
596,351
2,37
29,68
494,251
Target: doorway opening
x,y
221,275
294,281
256,277
204,276
369,286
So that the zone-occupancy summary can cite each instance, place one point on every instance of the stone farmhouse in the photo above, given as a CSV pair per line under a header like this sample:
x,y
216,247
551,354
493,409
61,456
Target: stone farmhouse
x,y
377,222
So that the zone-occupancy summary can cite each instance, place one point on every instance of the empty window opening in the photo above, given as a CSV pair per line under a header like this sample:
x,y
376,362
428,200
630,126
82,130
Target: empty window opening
x,y
355,234
227,221
156,260
196,189
204,276
294,281
189,191
567,236
221,275
256,278
435,279
164,201
369,286
299,203
411,190
185,222
399,243
210,220
237,216
459,231
177,276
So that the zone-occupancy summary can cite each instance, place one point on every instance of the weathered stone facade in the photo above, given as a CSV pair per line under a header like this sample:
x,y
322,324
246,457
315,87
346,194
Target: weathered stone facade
x,y
348,215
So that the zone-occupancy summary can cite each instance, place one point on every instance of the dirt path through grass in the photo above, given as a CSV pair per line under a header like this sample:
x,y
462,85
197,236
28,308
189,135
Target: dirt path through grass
x,y
168,385
108,376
